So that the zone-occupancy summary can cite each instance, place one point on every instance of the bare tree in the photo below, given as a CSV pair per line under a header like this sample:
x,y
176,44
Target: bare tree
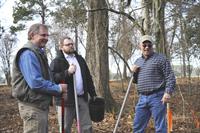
x,y
187,21
7,44
71,15
125,44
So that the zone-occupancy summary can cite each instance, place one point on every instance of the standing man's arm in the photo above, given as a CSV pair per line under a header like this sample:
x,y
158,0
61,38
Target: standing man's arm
x,y
135,69
170,81
30,68
169,77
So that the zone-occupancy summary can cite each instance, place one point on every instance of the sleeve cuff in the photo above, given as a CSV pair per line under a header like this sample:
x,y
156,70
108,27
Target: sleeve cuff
x,y
169,91
60,88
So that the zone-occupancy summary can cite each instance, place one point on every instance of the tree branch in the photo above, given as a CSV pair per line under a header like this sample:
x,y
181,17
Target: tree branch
x,y
115,51
121,13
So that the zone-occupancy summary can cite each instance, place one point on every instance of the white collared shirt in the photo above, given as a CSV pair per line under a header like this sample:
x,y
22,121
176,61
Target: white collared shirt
x,y
79,80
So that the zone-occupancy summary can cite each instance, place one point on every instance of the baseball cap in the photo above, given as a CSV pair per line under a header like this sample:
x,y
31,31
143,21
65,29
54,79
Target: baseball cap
x,y
146,38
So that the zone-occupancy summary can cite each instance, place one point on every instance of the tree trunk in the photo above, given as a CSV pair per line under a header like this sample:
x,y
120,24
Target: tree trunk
x,y
8,78
125,72
97,50
146,16
76,38
182,41
43,12
159,24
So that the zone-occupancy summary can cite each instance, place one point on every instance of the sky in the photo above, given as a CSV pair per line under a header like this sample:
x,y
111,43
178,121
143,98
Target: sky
x,y
6,20
6,13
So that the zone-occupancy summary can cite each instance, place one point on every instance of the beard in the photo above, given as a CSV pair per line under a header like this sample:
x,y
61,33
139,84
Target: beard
x,y
71,51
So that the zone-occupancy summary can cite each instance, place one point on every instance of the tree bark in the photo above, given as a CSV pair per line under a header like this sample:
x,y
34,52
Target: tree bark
x,y
159,24
146,16
97,50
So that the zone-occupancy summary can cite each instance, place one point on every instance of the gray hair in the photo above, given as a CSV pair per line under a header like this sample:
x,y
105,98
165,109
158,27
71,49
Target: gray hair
x,y
34,29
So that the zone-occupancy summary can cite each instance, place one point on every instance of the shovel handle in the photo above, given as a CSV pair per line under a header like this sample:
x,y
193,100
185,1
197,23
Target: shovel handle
x,y
63,112
76,105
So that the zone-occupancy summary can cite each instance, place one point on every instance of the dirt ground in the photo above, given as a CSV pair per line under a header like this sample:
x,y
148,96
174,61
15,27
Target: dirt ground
x,y
185,108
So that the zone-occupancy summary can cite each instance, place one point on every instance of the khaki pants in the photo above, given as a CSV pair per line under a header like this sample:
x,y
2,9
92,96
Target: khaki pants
x,y
70,115
34,120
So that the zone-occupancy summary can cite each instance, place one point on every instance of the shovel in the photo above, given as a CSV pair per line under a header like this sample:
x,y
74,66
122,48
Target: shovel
x,y
123,104
76,105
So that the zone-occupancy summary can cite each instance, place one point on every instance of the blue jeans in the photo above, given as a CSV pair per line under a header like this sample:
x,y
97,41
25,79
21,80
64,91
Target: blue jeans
x,y
147,106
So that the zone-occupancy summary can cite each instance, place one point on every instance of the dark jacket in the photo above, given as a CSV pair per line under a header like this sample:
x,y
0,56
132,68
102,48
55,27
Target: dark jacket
x,y
20,88
59,67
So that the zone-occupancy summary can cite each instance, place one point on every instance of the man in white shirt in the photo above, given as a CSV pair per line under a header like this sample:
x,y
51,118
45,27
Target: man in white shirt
x,y
66,65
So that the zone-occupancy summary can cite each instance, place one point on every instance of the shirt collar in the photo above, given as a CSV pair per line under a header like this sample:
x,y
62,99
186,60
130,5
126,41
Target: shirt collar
x,y
148,56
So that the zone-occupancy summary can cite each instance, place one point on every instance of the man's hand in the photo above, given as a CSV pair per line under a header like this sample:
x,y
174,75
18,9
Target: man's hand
x,y
63,88
135,68
166,98
71,69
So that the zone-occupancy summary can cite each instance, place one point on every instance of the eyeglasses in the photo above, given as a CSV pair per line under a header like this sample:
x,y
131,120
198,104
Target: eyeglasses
x,y
44,35
147,45
68,44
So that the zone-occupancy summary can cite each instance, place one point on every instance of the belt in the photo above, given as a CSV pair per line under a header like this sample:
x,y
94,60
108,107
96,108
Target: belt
x,y
150,92
81,95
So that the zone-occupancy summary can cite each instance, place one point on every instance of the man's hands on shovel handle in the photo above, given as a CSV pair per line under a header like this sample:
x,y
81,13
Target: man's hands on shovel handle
x,y
135,68
166,98
63,90
71,70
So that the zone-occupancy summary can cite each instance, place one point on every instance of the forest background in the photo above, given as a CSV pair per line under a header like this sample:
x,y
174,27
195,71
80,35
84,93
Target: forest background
x,y
106,34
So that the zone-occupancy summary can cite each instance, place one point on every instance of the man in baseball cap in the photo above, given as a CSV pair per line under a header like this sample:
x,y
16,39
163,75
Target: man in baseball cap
x,y
146,46
146,38
155,83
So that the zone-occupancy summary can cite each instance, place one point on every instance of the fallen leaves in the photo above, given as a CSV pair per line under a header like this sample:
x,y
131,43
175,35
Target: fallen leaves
x,y
10,121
